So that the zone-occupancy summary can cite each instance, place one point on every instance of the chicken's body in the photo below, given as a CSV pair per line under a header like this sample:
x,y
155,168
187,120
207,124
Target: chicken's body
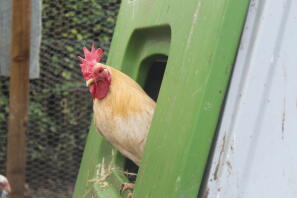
x,y
122,110
124,116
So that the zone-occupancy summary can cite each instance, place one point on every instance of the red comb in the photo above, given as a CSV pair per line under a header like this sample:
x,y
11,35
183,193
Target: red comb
x,y
91,58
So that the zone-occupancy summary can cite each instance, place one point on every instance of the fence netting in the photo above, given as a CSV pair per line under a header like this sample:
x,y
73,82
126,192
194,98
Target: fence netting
x,y
60,107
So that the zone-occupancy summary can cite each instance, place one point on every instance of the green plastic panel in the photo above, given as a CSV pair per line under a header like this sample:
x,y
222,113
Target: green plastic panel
x,y
200,38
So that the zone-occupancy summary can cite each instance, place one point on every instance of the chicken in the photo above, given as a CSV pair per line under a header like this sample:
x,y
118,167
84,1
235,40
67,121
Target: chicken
x,y
122,110
4,187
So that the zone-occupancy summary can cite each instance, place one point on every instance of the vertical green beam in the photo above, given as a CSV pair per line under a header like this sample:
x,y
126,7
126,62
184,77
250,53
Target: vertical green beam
x,y
191,98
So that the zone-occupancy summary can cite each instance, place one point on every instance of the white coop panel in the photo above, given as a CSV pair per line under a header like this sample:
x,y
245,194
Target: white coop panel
x,y
256,151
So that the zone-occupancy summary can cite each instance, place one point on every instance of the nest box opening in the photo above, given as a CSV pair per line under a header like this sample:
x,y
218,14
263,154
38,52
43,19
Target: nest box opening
x,y
150,77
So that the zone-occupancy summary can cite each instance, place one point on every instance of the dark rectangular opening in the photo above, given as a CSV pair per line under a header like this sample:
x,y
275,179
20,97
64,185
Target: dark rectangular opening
x,y
155,68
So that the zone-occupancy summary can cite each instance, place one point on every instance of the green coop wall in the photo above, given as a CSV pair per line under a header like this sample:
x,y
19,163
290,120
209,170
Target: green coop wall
x,y
200,38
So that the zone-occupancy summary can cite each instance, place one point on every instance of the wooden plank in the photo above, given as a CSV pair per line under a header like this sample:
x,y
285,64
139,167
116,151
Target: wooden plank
x,y
18,96
6,33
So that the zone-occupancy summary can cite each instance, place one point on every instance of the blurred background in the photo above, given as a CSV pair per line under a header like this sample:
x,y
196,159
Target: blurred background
x,y
59,103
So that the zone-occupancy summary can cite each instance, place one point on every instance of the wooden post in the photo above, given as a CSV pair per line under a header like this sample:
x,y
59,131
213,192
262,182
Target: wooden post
x,y
18,96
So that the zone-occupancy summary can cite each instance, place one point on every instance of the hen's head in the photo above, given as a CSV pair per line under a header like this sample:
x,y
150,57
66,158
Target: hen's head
x,y
4,186
97,75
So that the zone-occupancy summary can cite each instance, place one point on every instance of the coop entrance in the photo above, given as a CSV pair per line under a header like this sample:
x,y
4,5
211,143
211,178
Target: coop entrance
x,y
150,78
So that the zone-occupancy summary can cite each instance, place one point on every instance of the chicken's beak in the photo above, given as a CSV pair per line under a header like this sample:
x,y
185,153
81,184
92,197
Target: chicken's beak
x,y
89,82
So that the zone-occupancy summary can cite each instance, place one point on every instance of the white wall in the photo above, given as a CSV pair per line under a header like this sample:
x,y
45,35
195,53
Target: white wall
x,y
256,151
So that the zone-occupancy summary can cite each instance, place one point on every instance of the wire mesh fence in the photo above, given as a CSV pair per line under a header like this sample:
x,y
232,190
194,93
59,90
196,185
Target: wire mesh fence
x,y
60,106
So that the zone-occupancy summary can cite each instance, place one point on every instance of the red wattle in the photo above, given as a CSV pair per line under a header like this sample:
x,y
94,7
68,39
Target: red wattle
x,y
99,89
